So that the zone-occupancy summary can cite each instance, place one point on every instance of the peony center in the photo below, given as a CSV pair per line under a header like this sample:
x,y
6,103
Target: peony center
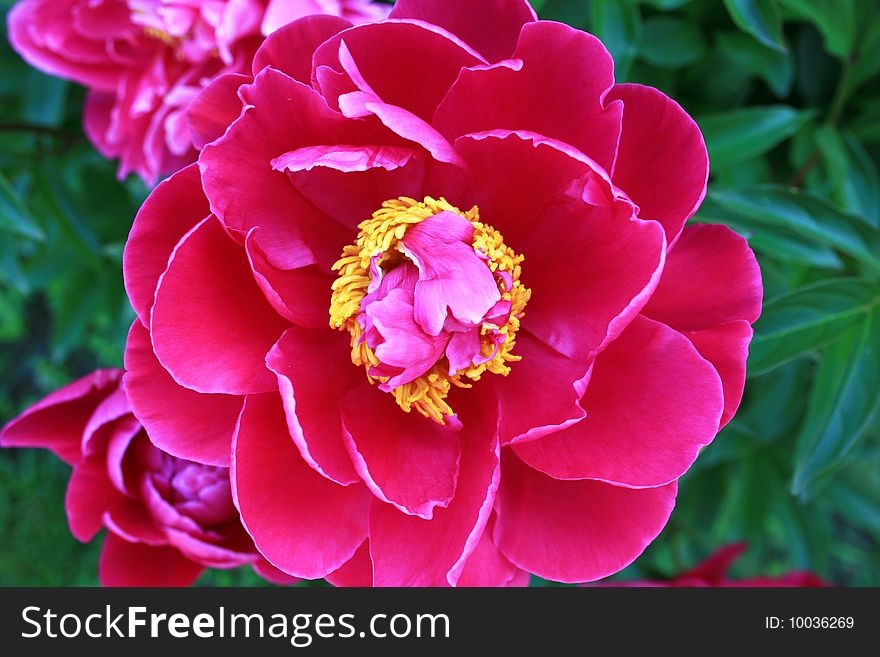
x,y
432,299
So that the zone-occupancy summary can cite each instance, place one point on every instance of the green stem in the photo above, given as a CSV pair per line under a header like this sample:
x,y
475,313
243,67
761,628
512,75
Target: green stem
x,y
838,103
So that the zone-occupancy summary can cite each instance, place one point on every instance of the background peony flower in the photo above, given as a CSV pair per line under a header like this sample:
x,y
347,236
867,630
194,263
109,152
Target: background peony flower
x,y
713,572
144,61
167,518
431,297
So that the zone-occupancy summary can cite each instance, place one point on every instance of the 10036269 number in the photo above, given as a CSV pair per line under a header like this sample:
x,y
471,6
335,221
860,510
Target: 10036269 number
x,y
809,623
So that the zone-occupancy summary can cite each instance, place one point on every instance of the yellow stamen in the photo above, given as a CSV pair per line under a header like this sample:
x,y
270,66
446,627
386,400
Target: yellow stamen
x,y
380,236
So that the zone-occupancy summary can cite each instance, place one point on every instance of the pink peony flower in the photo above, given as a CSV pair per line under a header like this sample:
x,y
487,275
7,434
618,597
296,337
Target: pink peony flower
x,y
713,572
167,518
431,297
144,61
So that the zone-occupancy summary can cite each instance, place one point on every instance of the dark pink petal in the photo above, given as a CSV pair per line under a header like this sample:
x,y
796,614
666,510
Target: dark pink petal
x,y
727,348
208,554
529,411
405,124
135,564
515,175
357,571
211,324
104,420
405,459
184,423
711,278
487,566
314,372
349,197
301,522
90,493
384,59
652,403
131,521
661,158
244,190
299,295
410,551
271,574
574,531
214,109
290,47
174,207
552,61
57,422
591,269
344,158
492,27
713,570
124,433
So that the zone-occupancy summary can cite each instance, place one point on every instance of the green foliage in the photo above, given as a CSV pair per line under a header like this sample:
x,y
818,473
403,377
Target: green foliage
x,y
788,97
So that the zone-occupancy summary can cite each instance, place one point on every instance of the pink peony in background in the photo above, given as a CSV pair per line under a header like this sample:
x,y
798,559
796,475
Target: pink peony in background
x,y
167,519
432,298
713,572
144,60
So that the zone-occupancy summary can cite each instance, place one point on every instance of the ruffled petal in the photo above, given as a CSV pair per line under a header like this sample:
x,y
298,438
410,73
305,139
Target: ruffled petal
x,y
290,48
211,325
727,348
552,60
529,411
411,551
652,403
356,572
209,114
661,162
299,295
315,372
90,493
58,421
711,278
173,208
574,531
405,459
184,423
134,564
283,115
301,522
491,27
410,65
487,566
591,270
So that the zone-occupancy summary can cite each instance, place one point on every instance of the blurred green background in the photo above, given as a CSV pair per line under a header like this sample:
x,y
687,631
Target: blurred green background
x,y
788,97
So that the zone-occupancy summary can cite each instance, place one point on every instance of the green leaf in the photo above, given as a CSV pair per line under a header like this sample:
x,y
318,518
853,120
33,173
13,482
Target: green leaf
x,y
671,42
807,319
774,67
739,135
835,19
835,158
861,190
618,24
14,216
807,214
760,18
842,403
666,5
44,100
867,61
